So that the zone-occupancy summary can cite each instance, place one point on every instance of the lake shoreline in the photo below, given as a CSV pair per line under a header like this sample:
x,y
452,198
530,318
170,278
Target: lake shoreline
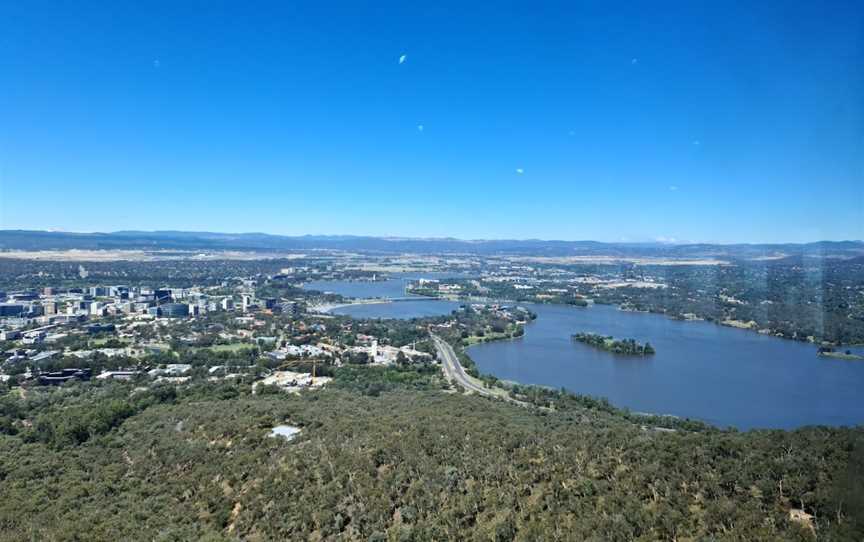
x,y
701,370
841,356
744,326
545,356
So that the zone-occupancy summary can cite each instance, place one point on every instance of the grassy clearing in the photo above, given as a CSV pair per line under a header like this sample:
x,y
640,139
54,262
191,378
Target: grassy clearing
x,y
232,347
102,340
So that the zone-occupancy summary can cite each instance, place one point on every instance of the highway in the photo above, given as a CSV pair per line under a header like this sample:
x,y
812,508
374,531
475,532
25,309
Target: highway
x,y
455,373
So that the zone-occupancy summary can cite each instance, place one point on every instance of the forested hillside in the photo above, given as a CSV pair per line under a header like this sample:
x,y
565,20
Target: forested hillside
x,y
388,455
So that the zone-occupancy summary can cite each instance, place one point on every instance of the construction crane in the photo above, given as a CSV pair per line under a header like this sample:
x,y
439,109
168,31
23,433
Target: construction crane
x,y
295,362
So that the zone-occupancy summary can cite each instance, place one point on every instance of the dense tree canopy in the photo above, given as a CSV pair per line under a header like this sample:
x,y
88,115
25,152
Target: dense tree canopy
x,y
386,454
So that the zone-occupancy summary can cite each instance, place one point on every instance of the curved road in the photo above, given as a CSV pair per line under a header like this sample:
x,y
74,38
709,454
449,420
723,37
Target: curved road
x,y
455,373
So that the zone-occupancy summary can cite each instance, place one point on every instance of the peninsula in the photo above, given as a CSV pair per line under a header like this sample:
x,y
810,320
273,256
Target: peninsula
x,y
848,355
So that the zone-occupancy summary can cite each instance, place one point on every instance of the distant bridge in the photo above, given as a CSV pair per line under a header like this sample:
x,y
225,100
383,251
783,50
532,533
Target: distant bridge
x,y
371,300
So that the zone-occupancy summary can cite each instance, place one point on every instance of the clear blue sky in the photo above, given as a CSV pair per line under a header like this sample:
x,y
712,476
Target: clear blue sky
x,y
706,121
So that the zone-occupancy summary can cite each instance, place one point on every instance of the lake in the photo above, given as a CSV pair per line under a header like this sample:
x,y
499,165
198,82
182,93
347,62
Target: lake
x,y
391,288
724,376
399,309
394,287
721,375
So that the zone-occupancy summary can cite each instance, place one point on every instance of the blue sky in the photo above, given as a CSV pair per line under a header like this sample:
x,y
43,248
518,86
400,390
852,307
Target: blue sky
x,y
702,121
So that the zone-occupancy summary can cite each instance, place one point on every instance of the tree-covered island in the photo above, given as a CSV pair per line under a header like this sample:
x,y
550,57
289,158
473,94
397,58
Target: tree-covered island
x,y
626,347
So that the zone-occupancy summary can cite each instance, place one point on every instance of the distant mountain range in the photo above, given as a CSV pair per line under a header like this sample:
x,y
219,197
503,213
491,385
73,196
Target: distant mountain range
x,y
197,241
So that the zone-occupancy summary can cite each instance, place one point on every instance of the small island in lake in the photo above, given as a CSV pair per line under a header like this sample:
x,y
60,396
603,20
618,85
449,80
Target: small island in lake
x,y
626,347
829,352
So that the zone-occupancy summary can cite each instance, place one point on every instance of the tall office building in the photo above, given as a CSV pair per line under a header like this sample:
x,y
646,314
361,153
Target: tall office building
x,y
174,310
163,296
10,309
98,291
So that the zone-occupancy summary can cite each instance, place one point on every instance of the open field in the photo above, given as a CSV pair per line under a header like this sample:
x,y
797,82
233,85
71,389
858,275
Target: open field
x,y
102,340
609,260
233,347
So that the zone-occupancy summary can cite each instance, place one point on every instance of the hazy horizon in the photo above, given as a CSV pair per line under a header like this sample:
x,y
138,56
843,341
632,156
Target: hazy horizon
x,y
436,238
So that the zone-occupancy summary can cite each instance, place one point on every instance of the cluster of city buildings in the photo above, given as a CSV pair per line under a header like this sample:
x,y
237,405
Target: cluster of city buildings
x,y
46,329
53,307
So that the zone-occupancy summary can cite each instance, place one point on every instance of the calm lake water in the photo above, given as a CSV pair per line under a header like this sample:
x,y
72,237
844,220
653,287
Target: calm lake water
x,y
724,376
361,289
399,309
392,288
